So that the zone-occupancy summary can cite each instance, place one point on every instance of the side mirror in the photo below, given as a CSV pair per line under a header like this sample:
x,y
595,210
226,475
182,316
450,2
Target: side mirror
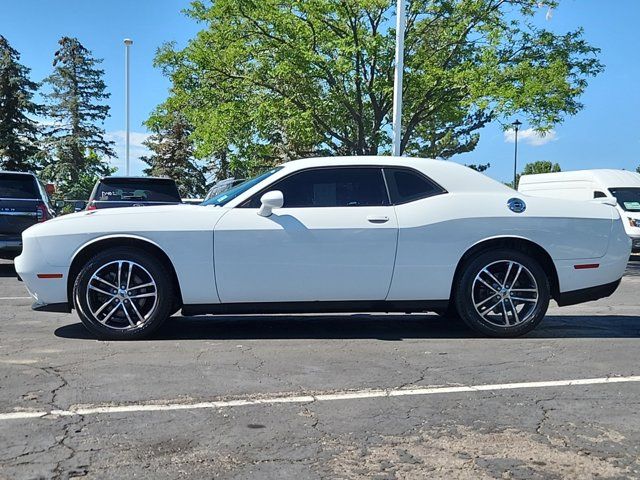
x,y
269,201
50,188
60,203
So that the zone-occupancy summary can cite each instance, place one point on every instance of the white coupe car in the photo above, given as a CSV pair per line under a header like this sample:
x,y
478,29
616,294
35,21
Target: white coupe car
x,y
352,234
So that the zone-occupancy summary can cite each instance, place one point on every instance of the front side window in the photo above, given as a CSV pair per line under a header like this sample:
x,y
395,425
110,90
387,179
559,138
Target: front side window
x,y
628,198
406,185
331,187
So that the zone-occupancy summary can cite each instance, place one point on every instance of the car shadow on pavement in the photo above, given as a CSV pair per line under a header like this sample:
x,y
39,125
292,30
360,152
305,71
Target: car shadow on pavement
x,y
7,270
362,326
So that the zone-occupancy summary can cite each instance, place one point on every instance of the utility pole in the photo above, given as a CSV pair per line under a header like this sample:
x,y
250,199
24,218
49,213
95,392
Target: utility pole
x,y
127,43
397,78
516,126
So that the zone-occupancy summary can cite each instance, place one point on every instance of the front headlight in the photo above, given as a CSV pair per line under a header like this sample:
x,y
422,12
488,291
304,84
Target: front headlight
x,y
633,222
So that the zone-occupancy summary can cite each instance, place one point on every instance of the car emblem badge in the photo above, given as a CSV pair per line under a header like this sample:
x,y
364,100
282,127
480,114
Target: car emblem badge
x,y
516,205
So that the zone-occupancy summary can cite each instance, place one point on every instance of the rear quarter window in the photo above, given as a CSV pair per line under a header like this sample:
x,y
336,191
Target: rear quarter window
x,y
18,186
407,185
137,191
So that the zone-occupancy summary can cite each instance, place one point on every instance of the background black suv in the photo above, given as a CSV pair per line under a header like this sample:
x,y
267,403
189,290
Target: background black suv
x,y
24,201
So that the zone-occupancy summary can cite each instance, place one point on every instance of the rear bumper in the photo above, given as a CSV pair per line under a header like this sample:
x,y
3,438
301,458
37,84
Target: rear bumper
x,y
10,247
587,294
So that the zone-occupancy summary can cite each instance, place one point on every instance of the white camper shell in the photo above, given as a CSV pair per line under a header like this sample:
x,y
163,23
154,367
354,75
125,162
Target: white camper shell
x,y
621,185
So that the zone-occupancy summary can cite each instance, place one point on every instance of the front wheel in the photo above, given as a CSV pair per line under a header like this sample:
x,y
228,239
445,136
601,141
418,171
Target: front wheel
x,y
502,293
123,294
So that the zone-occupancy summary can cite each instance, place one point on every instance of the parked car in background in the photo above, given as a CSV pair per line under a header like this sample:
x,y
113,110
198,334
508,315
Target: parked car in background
x,y
350,234
24,201
223,186
619,186
114,192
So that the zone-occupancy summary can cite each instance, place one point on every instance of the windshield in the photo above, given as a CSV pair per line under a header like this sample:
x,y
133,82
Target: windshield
x,y
223,186
628,198
229,195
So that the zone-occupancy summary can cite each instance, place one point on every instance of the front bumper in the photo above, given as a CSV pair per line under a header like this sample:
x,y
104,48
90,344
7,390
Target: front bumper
x,y
30,266
51,307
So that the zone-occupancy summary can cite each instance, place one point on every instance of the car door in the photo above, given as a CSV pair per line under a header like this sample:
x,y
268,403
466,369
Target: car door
x,y
334,239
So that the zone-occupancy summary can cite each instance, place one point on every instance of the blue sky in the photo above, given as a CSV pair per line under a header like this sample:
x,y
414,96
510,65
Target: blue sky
x,y
604,134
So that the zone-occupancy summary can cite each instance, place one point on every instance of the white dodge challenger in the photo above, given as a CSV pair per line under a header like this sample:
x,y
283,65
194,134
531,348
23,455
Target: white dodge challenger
x,y
351,234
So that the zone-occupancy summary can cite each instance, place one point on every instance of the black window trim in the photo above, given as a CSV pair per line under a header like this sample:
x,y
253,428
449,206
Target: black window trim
x,y
439,190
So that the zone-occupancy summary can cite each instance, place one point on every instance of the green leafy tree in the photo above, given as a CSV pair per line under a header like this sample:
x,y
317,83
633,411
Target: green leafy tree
x,y
265,81
172,155
18,131
76,141
541,166
480,167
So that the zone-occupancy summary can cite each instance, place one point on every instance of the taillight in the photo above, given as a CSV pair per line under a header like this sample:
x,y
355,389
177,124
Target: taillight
x,y
42,213
92,206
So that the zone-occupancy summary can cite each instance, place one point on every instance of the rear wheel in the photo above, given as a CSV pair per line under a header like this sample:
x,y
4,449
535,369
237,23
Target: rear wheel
x,y
502,293
123,294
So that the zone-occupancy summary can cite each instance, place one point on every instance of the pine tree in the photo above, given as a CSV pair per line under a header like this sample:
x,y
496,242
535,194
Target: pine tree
x,y
172,155
76,140
18,132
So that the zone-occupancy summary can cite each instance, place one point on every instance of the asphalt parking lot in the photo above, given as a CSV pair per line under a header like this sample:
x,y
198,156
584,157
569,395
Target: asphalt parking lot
x,y
333,396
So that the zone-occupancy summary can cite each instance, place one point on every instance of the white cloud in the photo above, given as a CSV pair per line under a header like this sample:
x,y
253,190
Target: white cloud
x,y
531,137
136,150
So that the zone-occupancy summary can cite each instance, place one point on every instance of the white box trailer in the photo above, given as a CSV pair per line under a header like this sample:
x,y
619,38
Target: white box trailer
x,y
621,185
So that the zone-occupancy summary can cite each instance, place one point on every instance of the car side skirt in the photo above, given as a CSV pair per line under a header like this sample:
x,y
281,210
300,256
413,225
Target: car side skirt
x,y
587,294
315,307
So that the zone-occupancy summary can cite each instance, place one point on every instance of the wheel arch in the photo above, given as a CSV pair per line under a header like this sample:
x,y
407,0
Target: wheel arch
x,y
96,245
517,243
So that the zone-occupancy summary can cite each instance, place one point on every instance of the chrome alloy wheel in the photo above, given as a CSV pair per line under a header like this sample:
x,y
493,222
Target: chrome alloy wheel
x,y
122,295
505,293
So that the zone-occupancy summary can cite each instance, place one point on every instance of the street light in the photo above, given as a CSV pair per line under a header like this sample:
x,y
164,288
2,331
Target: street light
x,y
127,43
397,79
516,127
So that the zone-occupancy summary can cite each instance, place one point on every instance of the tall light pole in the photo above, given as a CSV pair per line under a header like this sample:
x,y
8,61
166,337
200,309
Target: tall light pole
x,y
127,43
516,127
397,78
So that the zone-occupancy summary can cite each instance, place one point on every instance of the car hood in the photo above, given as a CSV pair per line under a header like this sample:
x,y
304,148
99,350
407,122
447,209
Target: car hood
x,y
130,219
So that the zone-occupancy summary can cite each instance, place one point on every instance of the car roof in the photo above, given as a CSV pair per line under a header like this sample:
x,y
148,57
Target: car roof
x,y
449,174
123,178
11,172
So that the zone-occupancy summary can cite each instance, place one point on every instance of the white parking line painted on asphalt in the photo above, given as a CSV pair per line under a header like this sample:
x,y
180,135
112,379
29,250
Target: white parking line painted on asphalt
x,y
308,398
15,298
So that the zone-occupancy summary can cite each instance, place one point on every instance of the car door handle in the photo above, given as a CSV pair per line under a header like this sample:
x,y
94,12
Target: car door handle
x,y
378,218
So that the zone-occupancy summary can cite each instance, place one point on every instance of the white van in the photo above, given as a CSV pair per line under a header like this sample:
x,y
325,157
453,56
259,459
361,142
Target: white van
x,y
585,185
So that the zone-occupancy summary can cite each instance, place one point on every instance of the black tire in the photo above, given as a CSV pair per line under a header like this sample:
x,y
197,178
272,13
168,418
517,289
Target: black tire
x,y
466,287
147,317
